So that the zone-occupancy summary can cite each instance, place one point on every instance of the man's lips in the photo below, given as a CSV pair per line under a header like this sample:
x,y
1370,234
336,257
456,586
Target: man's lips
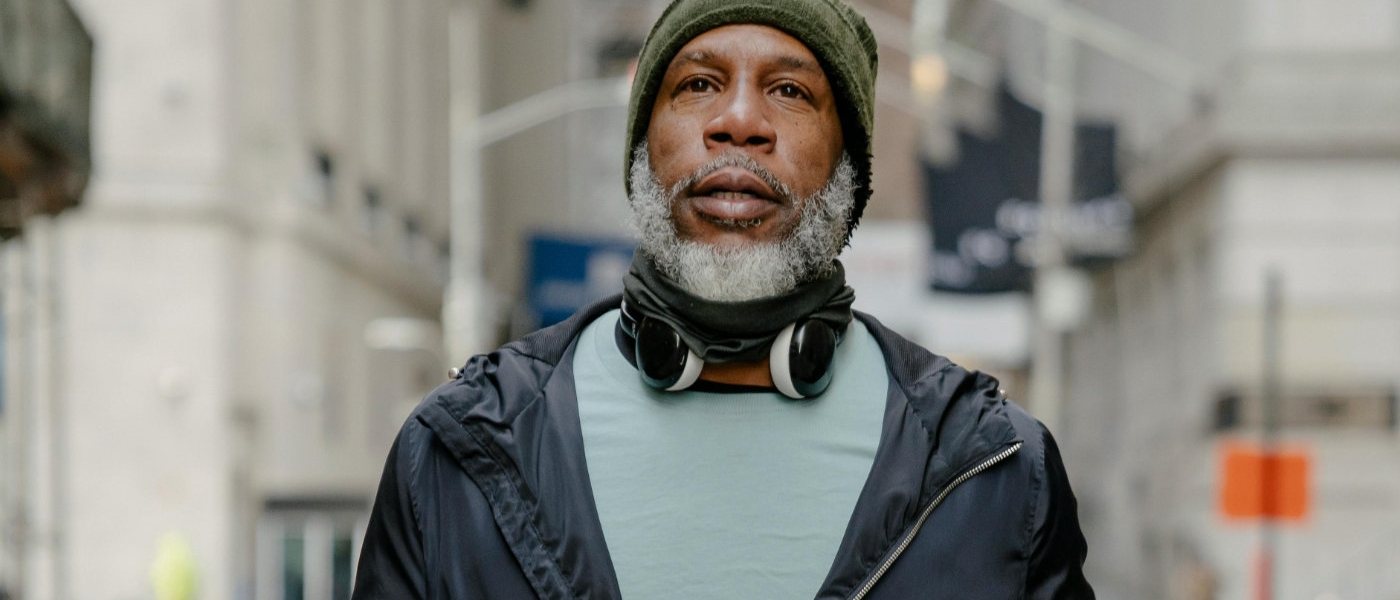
x,y
737,209
733,194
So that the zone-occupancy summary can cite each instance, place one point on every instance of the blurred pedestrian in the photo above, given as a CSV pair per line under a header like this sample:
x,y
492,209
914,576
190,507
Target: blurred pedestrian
x,y
174,575
728,427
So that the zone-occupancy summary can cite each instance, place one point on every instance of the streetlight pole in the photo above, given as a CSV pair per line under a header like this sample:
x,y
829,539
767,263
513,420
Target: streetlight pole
x,y
467,301
1269,476
1056,190
464,306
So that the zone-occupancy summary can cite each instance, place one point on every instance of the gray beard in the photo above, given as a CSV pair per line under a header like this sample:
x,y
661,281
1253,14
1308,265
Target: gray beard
x,y
749,271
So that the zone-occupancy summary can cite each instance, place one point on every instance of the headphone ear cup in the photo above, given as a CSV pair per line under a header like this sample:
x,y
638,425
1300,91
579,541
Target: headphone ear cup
x,y
800,359
690,374
663,359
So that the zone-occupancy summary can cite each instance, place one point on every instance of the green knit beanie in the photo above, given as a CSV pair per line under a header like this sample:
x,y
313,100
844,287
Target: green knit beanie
x,y
834,32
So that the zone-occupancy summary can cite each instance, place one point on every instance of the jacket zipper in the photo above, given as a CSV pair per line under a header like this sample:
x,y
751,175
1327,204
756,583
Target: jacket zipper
x,y
909,537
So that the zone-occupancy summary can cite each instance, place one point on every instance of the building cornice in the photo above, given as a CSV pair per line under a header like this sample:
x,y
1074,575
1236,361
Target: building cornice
x,y
316,231
1280,105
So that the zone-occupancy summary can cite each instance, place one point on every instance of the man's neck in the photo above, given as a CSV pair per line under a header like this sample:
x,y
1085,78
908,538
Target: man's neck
x,y
739,373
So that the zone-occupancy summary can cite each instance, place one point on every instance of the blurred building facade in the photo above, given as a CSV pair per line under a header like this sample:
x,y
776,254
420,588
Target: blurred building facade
x,y
220,344
1286,156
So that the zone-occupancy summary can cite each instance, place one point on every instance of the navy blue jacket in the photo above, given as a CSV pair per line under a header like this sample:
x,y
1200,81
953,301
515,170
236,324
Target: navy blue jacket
x,y
485,493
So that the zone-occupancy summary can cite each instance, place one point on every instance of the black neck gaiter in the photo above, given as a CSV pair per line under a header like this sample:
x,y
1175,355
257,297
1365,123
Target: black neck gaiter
x,y
720,332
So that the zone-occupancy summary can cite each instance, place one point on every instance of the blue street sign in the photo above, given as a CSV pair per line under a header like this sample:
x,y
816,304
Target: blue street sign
x,y
570,272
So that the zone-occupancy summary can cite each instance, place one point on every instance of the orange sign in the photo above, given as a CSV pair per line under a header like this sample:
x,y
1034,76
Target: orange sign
x,y
1255,484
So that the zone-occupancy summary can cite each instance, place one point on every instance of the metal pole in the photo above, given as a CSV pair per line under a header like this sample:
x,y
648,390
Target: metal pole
x,y
59,437
43,508
463,307
18,407
1056,187
1268,554
466,308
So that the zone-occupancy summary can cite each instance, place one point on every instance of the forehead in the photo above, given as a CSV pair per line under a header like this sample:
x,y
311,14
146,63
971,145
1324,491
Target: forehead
x,y
747,44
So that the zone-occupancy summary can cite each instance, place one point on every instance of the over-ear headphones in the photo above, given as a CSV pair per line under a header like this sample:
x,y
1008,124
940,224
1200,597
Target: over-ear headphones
x,y
799,360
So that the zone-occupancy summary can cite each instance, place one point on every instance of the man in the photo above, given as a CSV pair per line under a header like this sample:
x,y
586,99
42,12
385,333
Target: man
x,y
728,428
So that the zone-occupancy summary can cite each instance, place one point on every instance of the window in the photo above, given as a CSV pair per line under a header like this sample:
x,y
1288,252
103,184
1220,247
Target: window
x,y
324,194
414,244
1304,407
307,548
372,211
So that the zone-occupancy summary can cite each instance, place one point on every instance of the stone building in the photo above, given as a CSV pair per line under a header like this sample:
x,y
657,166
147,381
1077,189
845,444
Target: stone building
x,y
219,345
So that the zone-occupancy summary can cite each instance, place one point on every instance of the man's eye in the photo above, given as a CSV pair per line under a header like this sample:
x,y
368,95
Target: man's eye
x,y
698,86
788,90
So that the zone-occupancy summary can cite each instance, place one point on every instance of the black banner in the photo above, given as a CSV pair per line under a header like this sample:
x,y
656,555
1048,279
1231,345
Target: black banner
x,y
985,204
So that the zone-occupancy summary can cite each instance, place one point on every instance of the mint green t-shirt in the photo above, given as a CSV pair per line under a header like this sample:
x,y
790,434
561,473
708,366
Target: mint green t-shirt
x,y
731,496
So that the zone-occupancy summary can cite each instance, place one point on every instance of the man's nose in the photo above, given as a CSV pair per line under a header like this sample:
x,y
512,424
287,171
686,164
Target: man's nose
x,y
741,122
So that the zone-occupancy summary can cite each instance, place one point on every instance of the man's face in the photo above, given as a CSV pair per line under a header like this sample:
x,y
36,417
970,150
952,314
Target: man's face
x,y
754,91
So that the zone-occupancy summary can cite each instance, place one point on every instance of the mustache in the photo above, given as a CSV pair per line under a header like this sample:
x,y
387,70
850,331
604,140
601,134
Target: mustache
x,y
734,159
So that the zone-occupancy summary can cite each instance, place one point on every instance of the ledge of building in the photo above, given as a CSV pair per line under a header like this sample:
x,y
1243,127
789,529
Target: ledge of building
x,y
1280,105
317,231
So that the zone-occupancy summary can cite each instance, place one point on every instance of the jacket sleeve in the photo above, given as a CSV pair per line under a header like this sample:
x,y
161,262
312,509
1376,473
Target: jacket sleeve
x,y
391,559
1058,549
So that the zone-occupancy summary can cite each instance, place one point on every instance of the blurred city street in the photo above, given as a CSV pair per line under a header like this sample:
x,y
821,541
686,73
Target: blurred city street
x,y
243,238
